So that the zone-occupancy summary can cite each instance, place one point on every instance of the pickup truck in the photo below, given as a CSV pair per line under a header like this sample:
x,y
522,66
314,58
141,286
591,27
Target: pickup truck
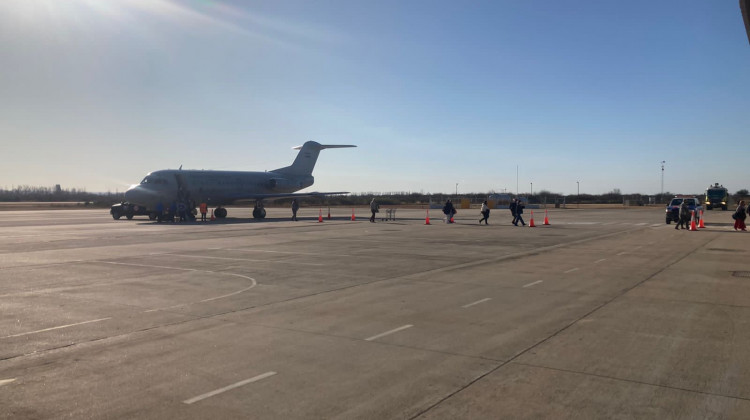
x,y
673,208
129,210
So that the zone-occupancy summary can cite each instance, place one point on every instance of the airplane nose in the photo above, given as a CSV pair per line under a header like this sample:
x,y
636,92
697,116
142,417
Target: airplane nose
x,y
136,195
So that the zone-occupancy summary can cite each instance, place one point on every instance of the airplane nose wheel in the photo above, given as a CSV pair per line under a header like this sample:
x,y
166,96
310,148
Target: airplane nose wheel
x,y
259,213
220,212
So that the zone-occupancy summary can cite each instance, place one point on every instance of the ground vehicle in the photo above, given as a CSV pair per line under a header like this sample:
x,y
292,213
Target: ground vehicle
x,y
129,210
673,208
717,196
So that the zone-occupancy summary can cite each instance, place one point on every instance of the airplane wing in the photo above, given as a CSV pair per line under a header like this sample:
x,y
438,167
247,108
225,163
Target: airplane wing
x,y
252,197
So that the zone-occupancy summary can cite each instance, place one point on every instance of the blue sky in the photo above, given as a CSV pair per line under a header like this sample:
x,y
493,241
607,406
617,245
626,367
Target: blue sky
x,y
95,94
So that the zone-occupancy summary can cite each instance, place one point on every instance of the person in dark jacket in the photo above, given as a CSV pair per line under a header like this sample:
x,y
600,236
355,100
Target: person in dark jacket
x,y
519,212
683,216
374,208
449,211
295,207
485,211
512,207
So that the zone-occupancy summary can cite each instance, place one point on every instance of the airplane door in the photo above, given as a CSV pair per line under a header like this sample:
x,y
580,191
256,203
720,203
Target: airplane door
x,y
183,192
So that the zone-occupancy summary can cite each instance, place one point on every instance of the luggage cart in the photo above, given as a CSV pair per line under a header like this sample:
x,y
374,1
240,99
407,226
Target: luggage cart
x,y
390,214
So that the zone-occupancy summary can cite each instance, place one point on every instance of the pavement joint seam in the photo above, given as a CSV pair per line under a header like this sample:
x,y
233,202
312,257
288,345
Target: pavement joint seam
x,y
558,332
615,378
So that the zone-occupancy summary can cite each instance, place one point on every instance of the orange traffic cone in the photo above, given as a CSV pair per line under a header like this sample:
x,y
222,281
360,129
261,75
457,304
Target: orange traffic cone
x,y
531,221
427,219
320,216
692,220
212,215
329,213
701,225
353,218
546,219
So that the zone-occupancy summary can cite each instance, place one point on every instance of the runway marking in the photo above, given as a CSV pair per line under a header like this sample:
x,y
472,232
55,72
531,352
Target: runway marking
x,y
598,261
55,328
656,225
571,270
531,284
476,303
622,253
6,381
253,283
375,337
641,224
228,388
244,259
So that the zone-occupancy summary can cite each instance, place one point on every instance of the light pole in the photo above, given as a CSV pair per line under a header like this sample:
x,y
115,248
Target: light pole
x,y
578,183
661,196
532,191
456,189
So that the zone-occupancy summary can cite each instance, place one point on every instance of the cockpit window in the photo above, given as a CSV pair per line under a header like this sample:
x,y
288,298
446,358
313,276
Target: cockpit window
x,y
154,180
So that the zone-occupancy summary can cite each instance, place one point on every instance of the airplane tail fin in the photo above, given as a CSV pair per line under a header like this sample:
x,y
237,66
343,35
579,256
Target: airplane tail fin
x,y
306,158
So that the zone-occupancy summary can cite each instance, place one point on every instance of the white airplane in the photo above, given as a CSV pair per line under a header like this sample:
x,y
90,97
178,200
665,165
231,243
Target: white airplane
x,y
220,188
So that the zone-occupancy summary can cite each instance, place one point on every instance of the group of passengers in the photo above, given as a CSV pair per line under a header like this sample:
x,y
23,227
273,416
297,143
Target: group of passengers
x,y
516,210
179,210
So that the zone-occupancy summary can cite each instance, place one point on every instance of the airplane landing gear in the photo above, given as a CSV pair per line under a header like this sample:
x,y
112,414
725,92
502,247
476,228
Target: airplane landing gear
x,y
259,212
220,212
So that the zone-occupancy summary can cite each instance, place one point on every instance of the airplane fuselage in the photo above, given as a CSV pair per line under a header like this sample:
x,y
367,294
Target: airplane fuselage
x,y
215,188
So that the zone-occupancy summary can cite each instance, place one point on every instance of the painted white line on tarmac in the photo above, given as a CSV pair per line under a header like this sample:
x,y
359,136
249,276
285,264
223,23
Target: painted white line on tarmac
x,y
150,266
622,253
531,284
476,303
571,270
375,337
244,259
641,224
314,254
253,283
6,381
598,261
656,225
229,388
55,328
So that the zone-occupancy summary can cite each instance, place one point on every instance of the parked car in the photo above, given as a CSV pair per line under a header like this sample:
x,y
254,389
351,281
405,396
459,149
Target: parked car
x,y
673,208
129,210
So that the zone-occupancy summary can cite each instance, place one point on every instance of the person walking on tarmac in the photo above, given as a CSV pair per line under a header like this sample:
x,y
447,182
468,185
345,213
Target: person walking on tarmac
x,y
204,210
172,211
159,211
512,207
739,216
683,217
485,213
519,212
182,211
374,208
295,207
449,211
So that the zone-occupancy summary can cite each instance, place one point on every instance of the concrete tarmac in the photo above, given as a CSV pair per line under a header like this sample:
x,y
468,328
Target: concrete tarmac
x,y
602,314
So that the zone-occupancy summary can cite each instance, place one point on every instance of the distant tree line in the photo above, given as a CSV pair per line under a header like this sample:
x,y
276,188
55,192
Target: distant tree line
x,y
57,194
